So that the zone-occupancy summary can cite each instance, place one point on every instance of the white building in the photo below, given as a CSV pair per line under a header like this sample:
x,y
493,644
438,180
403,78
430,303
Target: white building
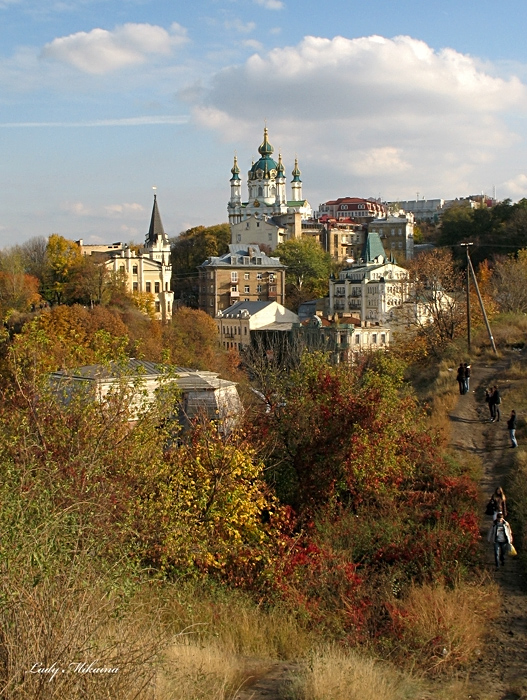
x,y
147,271
371,289
236,323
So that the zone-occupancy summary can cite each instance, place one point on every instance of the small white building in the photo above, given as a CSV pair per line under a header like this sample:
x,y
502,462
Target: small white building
x,y
236,323
203,394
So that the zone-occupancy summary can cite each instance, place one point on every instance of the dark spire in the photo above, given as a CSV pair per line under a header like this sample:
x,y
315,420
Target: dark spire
x,y
156,225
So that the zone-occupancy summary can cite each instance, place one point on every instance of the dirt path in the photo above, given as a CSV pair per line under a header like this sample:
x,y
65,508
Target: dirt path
x,y
501,671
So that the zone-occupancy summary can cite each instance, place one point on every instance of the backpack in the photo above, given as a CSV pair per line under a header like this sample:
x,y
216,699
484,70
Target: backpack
x,y
498,400
489,510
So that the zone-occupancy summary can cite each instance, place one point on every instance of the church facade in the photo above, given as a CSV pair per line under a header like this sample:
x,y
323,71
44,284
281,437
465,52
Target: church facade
x,y
268,216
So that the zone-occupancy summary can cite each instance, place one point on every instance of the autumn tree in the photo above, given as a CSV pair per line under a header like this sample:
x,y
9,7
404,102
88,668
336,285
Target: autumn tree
x,y
435,289
509,282
63,259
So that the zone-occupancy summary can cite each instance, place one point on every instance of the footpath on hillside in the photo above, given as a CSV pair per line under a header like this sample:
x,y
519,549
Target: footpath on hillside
x,y
500,672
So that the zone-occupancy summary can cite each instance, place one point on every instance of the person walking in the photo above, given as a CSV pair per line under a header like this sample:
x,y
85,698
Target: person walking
x,y
511,426
495,402
461,377
488,395
500,534
467,377
500,502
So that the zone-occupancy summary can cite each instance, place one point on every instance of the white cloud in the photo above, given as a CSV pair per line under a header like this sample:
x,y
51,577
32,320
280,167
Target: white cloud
x,y
101,51
76,208
126,209
270,4
517,186
381,114
239,26
252,44
128,121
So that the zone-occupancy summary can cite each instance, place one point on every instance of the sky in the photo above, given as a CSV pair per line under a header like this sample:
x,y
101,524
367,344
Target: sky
x,y
103,100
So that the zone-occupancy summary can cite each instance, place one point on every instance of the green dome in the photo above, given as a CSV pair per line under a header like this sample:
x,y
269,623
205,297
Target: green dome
x,y
265,167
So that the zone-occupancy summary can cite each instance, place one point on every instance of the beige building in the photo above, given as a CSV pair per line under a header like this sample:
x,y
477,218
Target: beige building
x,y
243,274
236,323
397,235
146,271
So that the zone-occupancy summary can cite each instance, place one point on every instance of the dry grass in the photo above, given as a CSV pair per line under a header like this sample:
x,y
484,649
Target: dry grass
x,y
442,629
233,620
193,671
336,674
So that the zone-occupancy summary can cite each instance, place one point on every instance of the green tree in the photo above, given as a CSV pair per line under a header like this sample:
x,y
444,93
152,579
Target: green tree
x,y
305,260
191,248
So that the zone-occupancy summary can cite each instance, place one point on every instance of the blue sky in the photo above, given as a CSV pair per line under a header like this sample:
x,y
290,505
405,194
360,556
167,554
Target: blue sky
x,y
100,100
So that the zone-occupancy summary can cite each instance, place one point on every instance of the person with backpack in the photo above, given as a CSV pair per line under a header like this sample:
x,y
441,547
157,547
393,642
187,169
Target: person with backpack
x,y
511,426
500,534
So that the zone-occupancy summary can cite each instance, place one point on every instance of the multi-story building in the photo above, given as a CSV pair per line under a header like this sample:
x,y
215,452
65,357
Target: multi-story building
x,y
397,235
245,273
371,289
268,216
422,209
147,270
360,210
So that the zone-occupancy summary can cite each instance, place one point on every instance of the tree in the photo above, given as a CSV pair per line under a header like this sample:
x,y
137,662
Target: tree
x,y
436,288
191,248
509,282
305,260
63,260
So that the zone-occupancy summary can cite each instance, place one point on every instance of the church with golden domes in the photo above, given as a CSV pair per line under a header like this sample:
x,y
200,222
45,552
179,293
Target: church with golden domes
x,y
268,217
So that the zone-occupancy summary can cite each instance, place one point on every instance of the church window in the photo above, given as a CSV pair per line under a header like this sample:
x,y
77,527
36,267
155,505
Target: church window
x,y
156,287
149,287
260,192
273,191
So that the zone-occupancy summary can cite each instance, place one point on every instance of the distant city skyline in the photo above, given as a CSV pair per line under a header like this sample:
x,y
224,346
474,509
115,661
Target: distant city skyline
x,y
101,100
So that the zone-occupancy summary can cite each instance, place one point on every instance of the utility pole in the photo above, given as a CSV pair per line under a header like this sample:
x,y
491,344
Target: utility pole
x,y
466,245
470,271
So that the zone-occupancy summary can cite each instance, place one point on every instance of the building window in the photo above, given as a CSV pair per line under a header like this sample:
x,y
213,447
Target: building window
x,y
374,338
166,286
272,287
149,287
258,288
168,307
156,287
270,236
357,339
211,302
259,276
245,330
383,338
134,269
246,276
121,268
135,286
234,288
271,277
239,237
158,307
247,289
234,277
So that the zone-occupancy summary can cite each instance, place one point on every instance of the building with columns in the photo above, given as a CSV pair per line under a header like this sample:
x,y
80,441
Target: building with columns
x,y
268,216
145,271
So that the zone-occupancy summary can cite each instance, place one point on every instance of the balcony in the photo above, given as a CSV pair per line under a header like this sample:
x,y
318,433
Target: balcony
x,y
235,295
272,295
